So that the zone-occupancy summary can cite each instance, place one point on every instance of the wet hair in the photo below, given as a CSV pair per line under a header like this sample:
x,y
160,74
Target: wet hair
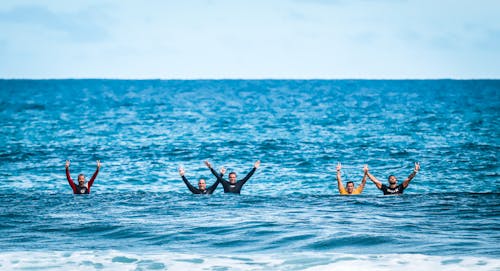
x,y
350,182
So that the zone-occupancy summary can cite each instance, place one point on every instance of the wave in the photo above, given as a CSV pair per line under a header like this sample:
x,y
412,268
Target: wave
x,y
164,260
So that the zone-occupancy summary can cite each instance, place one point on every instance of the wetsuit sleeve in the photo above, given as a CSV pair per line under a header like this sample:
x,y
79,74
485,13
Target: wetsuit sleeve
x,y
189,186
70,181
212,188
91,182
244,180
219,177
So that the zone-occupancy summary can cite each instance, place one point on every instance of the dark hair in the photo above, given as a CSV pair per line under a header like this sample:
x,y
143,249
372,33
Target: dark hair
x,y
232,173
350,182
390,177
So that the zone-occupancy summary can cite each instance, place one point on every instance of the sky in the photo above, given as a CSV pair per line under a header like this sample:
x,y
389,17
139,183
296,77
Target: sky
x,y
250,39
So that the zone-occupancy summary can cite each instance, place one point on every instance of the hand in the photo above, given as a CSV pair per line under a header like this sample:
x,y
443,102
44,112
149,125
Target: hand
x,y
365,169
67,163
417,167
98,164
339,166
208,164
222,171
257,164
181,171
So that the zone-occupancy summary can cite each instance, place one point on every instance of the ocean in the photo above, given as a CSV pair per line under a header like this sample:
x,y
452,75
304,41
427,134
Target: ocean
x,y
289,216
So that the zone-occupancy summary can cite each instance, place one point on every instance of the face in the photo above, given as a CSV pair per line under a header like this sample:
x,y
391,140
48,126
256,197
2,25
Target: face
x,y
202,185
392,179
350,187
81,179
232,178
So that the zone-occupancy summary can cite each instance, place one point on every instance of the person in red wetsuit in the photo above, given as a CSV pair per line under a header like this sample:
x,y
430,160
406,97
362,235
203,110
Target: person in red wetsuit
x,y
81,188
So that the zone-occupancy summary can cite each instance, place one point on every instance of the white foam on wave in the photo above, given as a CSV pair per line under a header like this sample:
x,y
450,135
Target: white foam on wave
x,y
118,260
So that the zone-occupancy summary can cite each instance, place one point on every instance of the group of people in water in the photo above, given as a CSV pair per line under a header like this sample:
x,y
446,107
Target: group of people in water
x,y
234,186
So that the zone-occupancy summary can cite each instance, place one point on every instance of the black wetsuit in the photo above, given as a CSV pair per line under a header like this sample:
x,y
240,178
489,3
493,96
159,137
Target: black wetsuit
x,y
392,191
233,188
82,190
195,190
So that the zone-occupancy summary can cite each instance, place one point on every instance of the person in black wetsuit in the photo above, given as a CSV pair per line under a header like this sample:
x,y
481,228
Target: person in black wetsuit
x,y
202,186
81,188
233,186
393,188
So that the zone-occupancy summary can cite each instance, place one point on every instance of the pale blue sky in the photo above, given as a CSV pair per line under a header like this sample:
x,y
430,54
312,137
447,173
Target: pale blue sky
x,y
290,39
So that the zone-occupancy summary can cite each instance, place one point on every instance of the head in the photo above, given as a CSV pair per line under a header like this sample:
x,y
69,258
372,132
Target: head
x,y
81,179
350,187
232,177
202,185
392,179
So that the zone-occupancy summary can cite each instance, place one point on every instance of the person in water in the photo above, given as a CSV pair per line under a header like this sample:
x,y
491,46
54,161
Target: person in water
x,y
202,186
350,185
81,188
394,188
233,186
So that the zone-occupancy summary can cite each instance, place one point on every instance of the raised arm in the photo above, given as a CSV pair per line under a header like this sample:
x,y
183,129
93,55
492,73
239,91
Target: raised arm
x,y
91,181
255,167
185,180
213,170
410,177
70,181
212,188
373,179
340,186
363,181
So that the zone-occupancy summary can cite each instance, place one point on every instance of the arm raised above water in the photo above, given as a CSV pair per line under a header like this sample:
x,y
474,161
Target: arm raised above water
x,y
360,188
68,177
91,181
255,167
340,186
373,179
412,175
188,184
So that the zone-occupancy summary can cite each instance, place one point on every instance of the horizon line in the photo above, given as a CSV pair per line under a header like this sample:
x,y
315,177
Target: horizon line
x,y
254,79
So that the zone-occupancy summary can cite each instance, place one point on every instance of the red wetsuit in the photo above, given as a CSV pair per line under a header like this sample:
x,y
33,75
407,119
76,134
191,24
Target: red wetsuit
x,y
77,189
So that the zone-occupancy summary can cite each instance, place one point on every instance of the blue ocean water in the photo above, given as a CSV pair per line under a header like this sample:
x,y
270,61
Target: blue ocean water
x,y
289,216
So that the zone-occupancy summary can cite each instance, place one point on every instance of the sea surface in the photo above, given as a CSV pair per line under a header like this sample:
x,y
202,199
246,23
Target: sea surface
x,y
289,216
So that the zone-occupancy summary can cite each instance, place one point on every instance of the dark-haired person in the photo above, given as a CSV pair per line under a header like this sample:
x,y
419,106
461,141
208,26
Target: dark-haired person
x,y
394,188
233,186
350,185
81,188
202,185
